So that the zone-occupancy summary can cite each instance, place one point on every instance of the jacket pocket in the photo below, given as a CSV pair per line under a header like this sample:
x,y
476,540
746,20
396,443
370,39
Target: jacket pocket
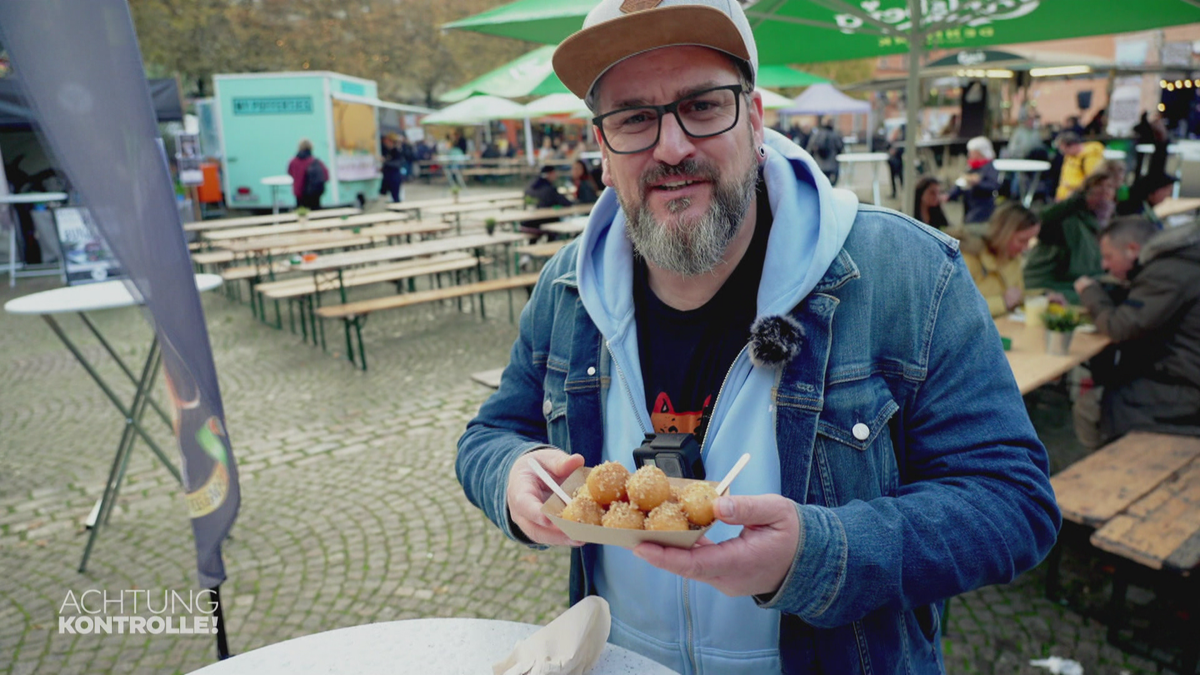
x,y
854,457
554,405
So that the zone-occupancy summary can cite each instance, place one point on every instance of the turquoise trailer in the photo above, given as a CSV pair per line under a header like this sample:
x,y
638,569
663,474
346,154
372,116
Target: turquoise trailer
x,y
262,118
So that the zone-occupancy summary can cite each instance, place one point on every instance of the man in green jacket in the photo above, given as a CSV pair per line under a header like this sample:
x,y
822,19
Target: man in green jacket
x,y
1068,247
1151,375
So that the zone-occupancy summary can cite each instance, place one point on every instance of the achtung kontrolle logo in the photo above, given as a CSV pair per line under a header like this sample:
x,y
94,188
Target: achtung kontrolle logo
x,y
138,611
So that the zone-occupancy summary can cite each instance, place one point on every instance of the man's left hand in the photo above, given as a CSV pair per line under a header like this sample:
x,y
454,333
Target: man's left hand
x,y
1083,282
753,563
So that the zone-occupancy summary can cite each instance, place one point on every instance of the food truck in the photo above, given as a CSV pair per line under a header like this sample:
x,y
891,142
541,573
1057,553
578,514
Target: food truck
x,y
262,117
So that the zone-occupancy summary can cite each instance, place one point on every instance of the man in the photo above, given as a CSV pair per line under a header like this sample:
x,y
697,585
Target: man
x,y
893,462
309,176
1151,379
1068,246
544,189
1147,192
393,164
983,182
825,144
543,193
1079,160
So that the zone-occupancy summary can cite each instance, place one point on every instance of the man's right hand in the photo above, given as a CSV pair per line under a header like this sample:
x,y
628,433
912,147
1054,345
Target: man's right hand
x,y
526,493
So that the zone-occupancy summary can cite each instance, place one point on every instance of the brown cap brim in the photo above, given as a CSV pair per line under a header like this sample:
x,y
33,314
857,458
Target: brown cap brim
x,y
582,58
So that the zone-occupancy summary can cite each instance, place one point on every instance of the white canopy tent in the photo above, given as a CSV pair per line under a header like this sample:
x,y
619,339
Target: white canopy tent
x,y
480,110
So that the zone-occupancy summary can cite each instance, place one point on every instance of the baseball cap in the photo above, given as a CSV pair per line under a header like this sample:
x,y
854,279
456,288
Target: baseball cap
x,y
1155,181
616,29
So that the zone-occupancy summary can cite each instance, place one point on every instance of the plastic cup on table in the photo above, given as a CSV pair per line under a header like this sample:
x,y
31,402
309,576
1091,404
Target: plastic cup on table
x,y
1034,307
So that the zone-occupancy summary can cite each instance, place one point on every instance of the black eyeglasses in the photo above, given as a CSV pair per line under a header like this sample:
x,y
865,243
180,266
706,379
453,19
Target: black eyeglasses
x,y
703,114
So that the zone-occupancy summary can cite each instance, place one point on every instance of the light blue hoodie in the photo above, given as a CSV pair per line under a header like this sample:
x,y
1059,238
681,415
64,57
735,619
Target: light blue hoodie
x,y
692,627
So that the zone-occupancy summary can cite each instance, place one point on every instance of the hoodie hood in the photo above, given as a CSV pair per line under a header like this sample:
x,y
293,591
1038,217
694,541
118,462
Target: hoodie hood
x,y
1182,241
811,223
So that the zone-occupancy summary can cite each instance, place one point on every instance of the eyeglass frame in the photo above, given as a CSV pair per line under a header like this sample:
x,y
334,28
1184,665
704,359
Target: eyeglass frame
x,y
739,91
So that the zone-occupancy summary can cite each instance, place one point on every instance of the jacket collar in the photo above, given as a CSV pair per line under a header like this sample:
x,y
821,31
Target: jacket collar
x,y
840,271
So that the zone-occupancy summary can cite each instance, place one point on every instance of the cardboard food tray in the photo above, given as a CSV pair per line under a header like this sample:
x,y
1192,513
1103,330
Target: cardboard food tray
x,y
594,534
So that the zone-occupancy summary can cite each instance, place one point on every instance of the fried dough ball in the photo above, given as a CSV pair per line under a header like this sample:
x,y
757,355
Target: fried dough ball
x,y
676,495
623,515
583,509
667,516
648,488
697,502
607,483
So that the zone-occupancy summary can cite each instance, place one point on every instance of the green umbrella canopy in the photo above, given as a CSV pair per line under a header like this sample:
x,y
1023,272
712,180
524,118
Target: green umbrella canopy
x,y
783,77
544,21
806,31
531,74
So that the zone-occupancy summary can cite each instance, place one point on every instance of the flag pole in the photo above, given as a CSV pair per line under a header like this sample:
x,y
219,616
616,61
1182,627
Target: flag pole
x,y
219,615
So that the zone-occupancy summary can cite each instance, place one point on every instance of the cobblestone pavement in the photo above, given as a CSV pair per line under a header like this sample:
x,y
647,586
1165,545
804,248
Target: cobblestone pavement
x,y
351,513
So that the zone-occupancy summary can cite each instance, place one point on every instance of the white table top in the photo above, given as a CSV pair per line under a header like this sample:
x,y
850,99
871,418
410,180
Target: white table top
x,y
1148,148
862,157
1114,154
32,197
89,297
1019,165
416,647
277,180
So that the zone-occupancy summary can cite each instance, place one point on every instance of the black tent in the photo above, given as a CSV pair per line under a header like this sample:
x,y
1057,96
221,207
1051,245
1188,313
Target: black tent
x,y
15,115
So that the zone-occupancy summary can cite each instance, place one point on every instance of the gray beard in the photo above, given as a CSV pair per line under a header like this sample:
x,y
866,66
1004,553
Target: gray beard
x,y
696,246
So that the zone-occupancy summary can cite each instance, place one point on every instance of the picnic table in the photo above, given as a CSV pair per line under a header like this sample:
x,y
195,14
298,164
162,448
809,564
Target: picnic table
x,y
457,210
1140,495
309,226
569,227
1032,366
1174,206
348,238
521,217
417,206
247,221
339,261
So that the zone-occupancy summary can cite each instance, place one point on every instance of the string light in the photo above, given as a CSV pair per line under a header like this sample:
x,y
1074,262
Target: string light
x,y
1162,107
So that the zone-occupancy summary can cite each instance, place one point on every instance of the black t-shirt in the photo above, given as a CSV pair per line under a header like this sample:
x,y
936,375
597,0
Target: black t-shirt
x,y
685,355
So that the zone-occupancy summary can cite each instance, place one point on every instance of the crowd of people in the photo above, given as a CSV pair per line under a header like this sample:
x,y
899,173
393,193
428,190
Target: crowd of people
x,y
1096,242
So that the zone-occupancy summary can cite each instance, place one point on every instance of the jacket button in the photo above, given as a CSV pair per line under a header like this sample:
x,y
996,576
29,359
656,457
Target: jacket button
x,y
861,431
547,407
591,370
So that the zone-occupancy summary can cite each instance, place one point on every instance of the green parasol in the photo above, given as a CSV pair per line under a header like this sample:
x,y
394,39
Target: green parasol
x,y
528,75
784,77
811,31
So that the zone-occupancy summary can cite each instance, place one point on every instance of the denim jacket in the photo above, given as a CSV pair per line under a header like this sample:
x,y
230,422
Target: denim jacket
x,y
947,490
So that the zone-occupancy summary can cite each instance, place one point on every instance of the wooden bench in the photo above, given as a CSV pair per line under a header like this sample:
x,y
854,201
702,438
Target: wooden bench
x,y
1141,494
304,289
353,314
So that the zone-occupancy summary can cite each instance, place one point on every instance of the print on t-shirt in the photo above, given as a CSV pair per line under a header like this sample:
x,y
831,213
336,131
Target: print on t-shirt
x,y
667,421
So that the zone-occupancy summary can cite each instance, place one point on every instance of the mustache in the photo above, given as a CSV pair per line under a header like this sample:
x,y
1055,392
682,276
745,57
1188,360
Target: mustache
x,y
688,167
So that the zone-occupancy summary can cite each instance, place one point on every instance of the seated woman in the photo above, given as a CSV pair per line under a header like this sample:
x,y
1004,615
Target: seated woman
x,y
927,204
586,190
982,180
1069,246
994,260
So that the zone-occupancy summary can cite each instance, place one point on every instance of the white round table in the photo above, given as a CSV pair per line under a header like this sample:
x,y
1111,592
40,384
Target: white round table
x,y
276,182
89,297
27,198
1033,166
416,647
97,297
863,158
